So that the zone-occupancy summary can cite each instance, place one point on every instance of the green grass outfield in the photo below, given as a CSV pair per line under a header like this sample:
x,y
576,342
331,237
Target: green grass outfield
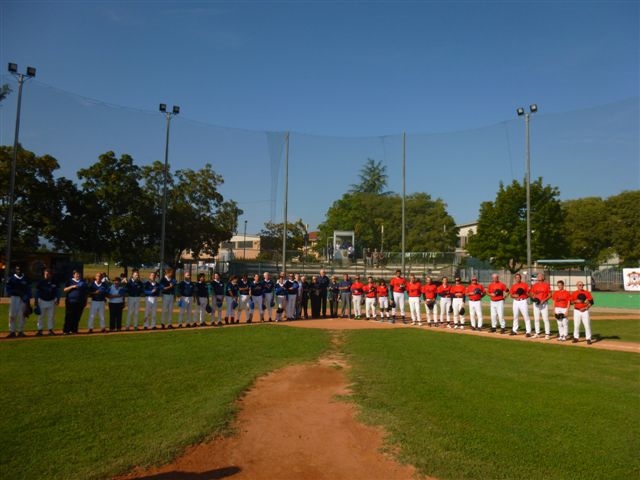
x,y
89,407
460,406
456,406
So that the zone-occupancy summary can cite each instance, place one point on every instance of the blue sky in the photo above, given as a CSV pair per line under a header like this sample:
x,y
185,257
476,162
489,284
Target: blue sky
x,y
346,78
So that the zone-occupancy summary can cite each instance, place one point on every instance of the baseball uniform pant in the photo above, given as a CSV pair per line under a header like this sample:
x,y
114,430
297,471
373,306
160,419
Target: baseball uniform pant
x,y
541,310
47,308
457,304
133,312
186,309
521,307
578,318
414,310
563,324
497,314
167,310
150,312
398,298
96,308
384,306
475,313
445,303
357,306
370,307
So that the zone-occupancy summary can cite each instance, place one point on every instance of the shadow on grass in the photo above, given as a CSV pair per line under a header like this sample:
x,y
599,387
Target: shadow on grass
x,y
210,475
597,337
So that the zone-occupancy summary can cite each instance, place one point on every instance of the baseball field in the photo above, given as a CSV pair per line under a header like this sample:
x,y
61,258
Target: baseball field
x,y
451,405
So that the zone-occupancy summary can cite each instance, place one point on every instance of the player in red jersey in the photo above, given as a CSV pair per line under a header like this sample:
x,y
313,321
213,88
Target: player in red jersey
x,y
475,292
444,290
540,295
497,291
561,300
370,292
357,288
382,291
414,290
430,292
520,293
582,301
458,292
398,287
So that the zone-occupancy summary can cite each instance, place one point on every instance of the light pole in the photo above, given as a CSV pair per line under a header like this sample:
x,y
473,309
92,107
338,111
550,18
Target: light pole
x,y
168,115
533,108
31,72
244,242
381,238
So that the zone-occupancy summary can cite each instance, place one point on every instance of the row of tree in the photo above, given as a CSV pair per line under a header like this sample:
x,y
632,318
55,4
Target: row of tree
x,y
116,210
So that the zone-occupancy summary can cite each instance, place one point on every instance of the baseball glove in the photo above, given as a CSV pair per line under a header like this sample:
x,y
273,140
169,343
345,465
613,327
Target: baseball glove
x,y
559,316
461,311
497,293
208,308
27,310
392,304
519,291
219,303
37,310
536,300
582,297
234,304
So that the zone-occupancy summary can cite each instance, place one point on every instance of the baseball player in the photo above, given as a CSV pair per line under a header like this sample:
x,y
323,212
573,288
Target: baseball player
x,y
430,293
135,291
520,293
186,291
292,288
168,289
398,286
345,295
444,290
46,297
457,304
281,296
152,290
244,295
76,300
475,292
540,295
217,297
19,289
370,292
561,300
497,291
357,289
382,291
202,299
582,301
97,290
231,299
257,295
267,293
115,299
414,291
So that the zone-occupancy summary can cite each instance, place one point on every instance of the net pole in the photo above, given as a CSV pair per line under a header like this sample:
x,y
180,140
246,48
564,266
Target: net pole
x,y
286,202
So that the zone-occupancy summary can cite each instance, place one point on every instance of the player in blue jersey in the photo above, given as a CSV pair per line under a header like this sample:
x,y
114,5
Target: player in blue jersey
x,y
97,291
19,289
152,289
47,296
217,298
168,289
268,287
186,291
135,291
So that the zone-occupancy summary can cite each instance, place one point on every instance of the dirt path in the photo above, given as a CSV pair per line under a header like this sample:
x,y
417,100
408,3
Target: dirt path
x,y
291,425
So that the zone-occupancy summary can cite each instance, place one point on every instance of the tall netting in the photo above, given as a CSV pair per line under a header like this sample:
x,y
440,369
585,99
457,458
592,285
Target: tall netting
x,y
589,152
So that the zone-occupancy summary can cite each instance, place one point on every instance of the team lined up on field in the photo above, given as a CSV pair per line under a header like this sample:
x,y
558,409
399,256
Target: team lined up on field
x,y
288,298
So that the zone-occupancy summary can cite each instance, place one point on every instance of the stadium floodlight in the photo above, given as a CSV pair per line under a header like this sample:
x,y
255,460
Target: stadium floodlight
x,y
533,108
168,115
31,72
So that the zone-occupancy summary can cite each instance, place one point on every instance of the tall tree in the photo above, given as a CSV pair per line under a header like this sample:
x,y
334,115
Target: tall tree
x,y
622,213
587,235
38,202
502,227
373,178
429,226
113,209
271,238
